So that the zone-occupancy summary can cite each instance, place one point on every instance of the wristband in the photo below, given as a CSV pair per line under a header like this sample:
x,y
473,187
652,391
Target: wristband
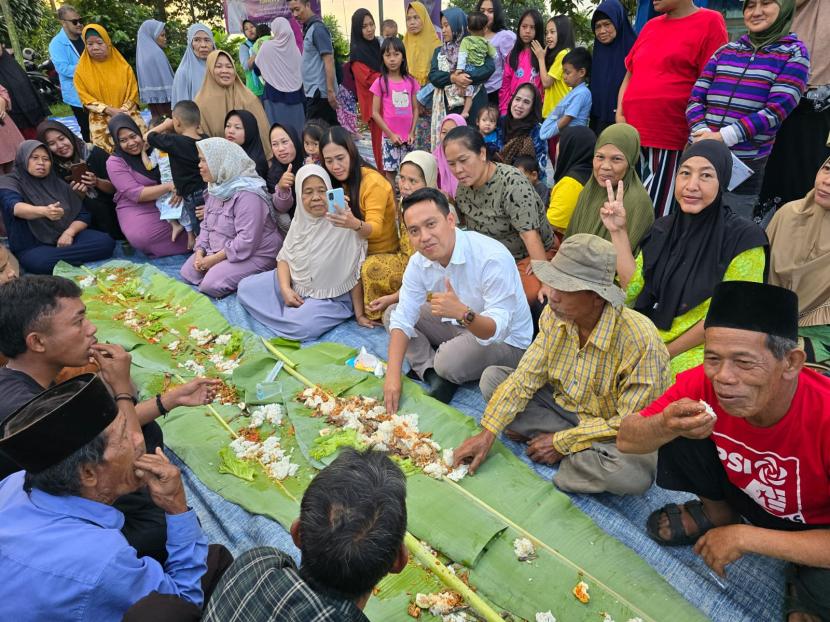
x,y
126,396
162,410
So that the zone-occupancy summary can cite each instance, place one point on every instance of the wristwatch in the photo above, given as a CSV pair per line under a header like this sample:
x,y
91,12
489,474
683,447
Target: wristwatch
x,y
468,318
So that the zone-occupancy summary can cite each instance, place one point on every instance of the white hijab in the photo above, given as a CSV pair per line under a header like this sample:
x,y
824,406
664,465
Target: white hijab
x,y
279,58
232,170
325,260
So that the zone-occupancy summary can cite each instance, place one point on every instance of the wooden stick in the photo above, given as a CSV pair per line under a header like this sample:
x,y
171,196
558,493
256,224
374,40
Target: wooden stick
x,y
432,563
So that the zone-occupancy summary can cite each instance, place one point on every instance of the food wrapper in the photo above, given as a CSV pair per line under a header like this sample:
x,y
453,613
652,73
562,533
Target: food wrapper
x,y
366,361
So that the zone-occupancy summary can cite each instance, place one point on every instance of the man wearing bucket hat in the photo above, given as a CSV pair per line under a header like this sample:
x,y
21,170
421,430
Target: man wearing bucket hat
x,y
592,363
62,554
747,432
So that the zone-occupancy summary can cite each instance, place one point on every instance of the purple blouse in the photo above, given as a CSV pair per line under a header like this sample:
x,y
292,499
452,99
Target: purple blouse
x,y
242,226
140,221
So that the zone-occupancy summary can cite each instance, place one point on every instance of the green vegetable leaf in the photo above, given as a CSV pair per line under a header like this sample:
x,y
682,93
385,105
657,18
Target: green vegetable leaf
x,y
234,466
324,446
234,346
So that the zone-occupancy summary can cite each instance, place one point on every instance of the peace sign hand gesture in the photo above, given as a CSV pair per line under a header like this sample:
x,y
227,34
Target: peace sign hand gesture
x,y
612,212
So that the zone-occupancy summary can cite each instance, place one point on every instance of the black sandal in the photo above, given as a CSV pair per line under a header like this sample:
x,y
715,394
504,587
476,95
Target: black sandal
x,y
679,537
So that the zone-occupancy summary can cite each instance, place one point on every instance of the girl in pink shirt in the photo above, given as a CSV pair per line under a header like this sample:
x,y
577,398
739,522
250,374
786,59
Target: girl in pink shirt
x,y
394,106
522,65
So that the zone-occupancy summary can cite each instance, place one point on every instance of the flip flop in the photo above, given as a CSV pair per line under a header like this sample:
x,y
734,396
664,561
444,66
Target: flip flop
x,y
678,537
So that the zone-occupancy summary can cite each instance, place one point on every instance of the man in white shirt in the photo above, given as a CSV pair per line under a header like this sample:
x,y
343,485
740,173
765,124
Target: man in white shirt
x,y
462,307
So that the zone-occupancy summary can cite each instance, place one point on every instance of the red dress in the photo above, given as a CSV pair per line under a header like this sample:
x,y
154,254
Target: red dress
x,y
363,79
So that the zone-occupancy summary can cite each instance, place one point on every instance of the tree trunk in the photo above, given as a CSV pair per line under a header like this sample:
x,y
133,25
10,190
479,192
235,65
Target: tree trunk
x,y
6,10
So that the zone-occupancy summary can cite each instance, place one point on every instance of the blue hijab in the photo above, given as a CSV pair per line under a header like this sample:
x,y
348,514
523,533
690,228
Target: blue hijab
x,y
608,64
191,71
155,76
457,20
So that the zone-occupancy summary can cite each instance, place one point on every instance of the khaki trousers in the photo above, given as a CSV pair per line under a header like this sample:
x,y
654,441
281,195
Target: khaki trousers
x,y
600,468
452,351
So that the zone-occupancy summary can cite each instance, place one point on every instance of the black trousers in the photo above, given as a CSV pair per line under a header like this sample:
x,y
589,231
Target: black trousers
x,y
82,117
693,466
318,107
157,607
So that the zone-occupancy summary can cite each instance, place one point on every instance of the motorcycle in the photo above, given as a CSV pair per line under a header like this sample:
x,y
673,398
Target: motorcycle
x,y
42,76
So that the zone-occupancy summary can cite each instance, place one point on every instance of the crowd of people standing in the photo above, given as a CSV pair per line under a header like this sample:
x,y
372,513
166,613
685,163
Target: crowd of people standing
x,y
577,230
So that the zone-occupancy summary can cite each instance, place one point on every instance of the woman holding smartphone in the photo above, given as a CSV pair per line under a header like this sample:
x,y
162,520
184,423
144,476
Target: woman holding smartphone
x,y
316,284
368,196
84,167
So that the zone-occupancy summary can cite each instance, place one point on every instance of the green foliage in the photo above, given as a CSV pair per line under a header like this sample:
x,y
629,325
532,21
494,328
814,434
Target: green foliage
x,y
513,9
40,35
27,15
338,39
229,463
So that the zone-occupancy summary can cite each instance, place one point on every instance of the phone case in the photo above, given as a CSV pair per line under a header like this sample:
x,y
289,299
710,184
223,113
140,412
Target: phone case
x,y
336,200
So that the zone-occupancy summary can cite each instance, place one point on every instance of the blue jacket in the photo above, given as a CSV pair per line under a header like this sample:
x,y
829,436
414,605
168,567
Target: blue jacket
x,y
65,58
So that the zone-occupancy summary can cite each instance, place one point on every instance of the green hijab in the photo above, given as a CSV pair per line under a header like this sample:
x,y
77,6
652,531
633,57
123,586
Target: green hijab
x,y
780,27
639,210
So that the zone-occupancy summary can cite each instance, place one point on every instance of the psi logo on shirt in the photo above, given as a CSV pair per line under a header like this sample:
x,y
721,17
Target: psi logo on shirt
x,y
772,481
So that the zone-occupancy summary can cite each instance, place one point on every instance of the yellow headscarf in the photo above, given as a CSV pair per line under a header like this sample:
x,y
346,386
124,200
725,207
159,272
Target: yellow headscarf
x,y
215,101
110,81
420,47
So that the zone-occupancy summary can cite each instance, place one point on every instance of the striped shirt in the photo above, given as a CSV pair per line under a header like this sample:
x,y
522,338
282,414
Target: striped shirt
x,y
747,94
263,585
622,368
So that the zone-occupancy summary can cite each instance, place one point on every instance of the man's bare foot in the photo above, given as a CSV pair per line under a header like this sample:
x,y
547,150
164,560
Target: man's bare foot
x,y
177,228
191,240
515,436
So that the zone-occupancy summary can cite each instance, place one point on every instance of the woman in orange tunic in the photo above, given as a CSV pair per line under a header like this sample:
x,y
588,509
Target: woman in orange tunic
x,y
365,61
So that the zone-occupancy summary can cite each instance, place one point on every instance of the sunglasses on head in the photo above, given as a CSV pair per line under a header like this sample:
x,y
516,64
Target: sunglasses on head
x,y
74,22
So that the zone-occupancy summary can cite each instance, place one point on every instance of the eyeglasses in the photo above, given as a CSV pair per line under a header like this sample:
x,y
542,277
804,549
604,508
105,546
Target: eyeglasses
x,y
74,22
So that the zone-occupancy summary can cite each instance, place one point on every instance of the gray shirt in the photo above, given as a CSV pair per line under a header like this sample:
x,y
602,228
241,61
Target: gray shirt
x,y
316,44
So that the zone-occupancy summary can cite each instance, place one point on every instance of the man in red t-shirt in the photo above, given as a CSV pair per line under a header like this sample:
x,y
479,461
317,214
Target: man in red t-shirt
x,y
749,433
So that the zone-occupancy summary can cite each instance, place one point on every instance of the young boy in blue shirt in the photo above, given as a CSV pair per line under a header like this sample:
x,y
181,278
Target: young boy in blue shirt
x,y
575,107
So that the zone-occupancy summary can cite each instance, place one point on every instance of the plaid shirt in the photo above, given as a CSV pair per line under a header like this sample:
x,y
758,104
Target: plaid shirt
x,y
263,585
622,368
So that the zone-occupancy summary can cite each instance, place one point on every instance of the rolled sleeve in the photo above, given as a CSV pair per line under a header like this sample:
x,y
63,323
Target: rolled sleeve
x,y
413,294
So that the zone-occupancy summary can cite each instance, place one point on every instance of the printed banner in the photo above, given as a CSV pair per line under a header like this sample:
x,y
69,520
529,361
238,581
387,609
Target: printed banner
x,y
258,11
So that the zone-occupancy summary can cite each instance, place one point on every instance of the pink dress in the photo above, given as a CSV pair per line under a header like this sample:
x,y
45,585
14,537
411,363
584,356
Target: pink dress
x,y
10,136
140,221
243,227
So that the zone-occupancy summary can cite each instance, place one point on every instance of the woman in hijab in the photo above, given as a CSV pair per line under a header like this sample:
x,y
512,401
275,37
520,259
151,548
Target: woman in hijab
x,y
191,71
613,39
288,158
616,154
365,59
247,57
447,183
223,91
280,63
136,191
520,128
382,274
93,185
761,77
155,76
684,255
26,107
574,167
315,286
420,42
445,99
238,236
106,85
45,220
241,127
799,237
